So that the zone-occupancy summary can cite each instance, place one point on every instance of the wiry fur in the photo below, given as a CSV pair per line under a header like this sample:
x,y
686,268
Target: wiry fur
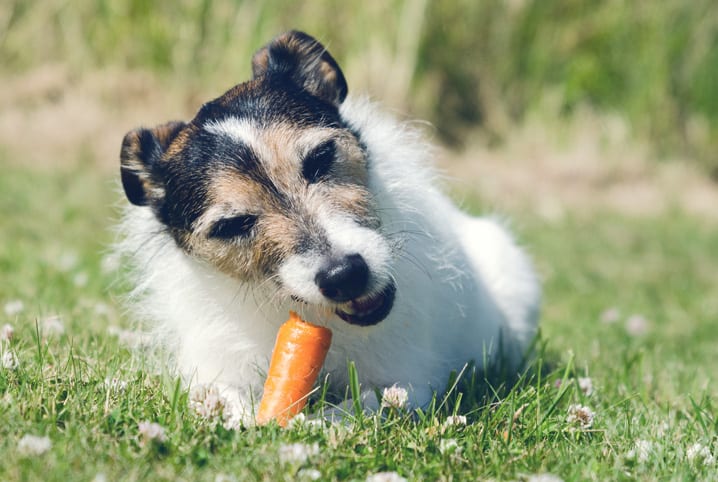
x,y
464,290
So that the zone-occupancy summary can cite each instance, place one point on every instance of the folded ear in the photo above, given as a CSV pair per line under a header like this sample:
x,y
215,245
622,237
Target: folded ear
x,y
141,150
304,61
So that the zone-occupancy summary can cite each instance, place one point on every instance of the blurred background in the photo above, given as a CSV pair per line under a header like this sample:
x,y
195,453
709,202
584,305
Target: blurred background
x,y
559,103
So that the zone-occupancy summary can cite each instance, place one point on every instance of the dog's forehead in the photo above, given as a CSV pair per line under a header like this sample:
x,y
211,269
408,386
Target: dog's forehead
x,y
269,101
259,122
271,144
242,146
262,165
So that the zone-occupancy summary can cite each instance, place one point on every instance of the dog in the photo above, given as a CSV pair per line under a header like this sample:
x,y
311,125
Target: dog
x,y
285,193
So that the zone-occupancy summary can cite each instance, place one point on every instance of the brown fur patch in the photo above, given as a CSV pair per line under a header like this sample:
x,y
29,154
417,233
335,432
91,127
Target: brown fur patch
x,y
179,143
132,155
286,205
165,133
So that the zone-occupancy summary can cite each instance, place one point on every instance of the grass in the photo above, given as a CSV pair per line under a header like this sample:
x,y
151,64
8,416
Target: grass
x,y
458,64
653,382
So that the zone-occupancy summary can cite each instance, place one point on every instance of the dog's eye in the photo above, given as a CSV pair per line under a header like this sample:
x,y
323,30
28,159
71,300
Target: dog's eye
x,y
318,162
228,228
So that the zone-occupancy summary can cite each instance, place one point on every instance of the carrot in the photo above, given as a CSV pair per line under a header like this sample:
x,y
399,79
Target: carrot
x,y
298,356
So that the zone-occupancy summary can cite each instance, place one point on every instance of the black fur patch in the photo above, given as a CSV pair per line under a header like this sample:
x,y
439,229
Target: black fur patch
x,y
297,58
317,163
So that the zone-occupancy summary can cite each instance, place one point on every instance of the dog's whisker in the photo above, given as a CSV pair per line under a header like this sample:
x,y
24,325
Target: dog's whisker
x,y
413,260
275,294
242,291
405,234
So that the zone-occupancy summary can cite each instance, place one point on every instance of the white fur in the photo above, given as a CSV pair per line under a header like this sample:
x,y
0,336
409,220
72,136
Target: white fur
x,y
345,237
241,130
465,290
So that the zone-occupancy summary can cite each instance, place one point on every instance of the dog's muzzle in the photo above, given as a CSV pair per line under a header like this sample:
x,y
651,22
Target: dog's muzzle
x,y
345,281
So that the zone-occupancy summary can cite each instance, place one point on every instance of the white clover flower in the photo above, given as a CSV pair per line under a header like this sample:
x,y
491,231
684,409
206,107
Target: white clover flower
x,y
545,477
385,477
225,478
637,325
297,421
102,309
6,332
610,315
641,451
309,474
10,361
394,397
301,421
662,429
580,415
80,279
14,307
698,452
115,385
585,384
67,261
151,432
53,325
32,445
7,399
455,421
99,477
297,453
448,446
207,402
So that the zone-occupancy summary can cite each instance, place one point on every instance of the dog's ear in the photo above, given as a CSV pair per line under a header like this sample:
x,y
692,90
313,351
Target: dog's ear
x,y
141,151
305,62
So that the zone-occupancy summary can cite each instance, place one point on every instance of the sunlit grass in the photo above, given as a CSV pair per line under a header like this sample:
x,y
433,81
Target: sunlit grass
x,y
653,389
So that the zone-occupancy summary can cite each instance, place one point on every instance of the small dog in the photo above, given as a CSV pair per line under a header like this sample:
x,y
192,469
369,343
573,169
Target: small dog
x,y
285,193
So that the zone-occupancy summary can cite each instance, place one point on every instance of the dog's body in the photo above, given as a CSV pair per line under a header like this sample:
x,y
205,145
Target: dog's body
x,y
285,194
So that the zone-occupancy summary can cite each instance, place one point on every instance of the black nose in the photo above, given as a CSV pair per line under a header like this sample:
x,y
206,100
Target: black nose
x,y
343,279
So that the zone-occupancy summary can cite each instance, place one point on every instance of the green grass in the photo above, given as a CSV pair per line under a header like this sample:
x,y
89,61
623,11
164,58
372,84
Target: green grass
x,y
659,386
459,64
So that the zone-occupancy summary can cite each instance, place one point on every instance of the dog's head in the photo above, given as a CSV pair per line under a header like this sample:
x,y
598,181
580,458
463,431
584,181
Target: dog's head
x,y
268,184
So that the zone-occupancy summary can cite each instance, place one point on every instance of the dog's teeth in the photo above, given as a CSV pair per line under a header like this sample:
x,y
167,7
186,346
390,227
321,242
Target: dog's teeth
x,y
361,307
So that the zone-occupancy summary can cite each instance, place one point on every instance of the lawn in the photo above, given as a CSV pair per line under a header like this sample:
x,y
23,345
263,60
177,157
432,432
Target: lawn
x,y
631,305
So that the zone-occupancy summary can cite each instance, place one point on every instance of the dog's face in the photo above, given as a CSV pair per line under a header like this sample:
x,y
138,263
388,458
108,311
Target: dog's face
x,y
270,186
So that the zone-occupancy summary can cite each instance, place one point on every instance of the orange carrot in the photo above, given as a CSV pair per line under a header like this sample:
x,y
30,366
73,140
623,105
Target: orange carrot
x,y
298,356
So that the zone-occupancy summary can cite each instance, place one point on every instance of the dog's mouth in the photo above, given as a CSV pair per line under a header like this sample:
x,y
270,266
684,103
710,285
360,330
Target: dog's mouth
x,y
368,310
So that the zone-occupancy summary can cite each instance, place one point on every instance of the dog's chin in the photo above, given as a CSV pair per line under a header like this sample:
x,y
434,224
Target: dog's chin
x,y
368,310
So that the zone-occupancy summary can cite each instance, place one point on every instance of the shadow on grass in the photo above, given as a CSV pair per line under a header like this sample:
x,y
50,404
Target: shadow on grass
x,y
470,392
